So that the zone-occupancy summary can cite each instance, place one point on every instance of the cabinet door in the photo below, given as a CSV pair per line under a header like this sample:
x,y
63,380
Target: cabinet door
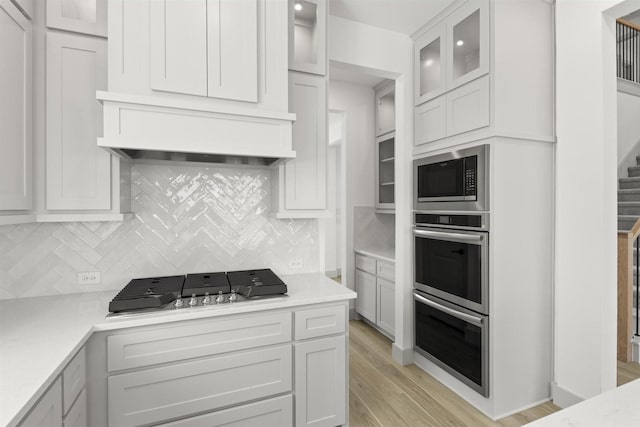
x,y
80,16
78,171
468,43
308,36
468,107
233,49
15,109
386,307
77,415
430,64
178,46
277,412
385,177
366,289
305,176
386,109
430,121
48,411
320,382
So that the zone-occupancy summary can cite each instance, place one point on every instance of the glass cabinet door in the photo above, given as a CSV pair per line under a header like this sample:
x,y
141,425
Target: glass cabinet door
x,y
307,36
385,190
467,43
429,65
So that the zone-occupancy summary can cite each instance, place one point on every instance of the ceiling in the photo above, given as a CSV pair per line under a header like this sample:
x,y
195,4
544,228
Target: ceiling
x,y
402,16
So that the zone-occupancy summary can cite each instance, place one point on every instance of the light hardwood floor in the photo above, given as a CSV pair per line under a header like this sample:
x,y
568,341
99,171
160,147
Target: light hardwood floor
x,y
382,393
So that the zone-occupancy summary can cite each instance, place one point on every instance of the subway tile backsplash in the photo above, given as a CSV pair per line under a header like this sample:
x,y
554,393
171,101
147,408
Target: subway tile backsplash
x,y
188,219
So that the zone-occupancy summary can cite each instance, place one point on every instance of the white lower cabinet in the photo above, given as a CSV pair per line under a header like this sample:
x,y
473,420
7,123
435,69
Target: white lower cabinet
x,y
277,412
375,285
65,402
320,382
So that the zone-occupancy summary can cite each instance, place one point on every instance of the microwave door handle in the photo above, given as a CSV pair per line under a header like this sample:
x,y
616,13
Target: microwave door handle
x,y
454,237
455,313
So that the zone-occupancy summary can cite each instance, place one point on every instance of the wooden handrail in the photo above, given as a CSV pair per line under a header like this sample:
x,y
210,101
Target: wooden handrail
x,y
625,290
628,23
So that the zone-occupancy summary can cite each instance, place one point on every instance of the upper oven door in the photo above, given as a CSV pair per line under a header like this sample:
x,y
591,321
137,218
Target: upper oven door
x,y
453,265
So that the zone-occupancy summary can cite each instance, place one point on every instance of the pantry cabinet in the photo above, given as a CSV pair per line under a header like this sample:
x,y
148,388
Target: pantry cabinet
x,y
299,185
16,167
375,285
216,55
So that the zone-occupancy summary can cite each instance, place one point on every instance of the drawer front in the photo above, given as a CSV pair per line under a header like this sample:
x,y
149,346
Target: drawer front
x,y
77,415
73,379
196,339
179,390
277,412
48,411
366,264
317,322
387,270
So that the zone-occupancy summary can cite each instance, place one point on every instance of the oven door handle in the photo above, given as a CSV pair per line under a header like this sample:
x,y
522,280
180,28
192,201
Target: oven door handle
x,y
454,237
477,321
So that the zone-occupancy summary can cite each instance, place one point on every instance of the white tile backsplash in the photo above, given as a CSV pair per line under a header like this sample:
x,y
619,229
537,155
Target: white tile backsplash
x,y
188,219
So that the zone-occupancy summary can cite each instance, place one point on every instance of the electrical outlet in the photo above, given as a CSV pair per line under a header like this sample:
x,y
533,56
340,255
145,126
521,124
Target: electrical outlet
x,y
89,278
295,264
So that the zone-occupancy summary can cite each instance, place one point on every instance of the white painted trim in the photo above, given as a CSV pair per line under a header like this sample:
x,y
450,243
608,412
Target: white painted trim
x,y
82,217
17,219
562,397
630,88
191,105
635,349
402,356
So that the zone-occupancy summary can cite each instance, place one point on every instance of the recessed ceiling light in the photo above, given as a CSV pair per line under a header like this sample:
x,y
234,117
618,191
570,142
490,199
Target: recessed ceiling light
x,y
459,42
428,62
297,6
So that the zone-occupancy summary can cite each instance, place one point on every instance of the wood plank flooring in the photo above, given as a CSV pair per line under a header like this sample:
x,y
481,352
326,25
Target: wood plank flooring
x,y
382,393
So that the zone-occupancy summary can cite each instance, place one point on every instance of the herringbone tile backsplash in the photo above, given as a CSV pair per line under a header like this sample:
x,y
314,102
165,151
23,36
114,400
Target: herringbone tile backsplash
x,y
188,219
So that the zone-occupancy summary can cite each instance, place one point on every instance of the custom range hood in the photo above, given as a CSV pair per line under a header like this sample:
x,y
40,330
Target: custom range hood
x,y
150,127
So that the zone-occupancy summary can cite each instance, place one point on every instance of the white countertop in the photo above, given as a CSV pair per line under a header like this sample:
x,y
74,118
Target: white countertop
x,y
614,408
39,336
384,254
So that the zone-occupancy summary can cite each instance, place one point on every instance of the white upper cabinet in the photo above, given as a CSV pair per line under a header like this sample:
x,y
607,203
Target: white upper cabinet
x,y
385,108
78,171
215,55
308,36
15,109
453,52
79,16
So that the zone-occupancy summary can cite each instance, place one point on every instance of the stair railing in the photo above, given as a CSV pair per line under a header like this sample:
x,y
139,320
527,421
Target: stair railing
x,y
628,323
628,50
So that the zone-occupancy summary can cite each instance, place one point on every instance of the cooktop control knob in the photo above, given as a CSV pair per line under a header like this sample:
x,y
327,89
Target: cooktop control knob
x,y
220,298
233,297
179,303
206,300
193,301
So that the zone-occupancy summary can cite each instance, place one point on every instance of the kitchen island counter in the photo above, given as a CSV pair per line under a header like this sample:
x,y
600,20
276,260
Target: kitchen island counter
x,y
39,336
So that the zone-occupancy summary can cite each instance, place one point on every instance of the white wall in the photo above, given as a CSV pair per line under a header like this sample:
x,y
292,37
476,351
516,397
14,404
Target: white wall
x,y
585,291
361,46
628,127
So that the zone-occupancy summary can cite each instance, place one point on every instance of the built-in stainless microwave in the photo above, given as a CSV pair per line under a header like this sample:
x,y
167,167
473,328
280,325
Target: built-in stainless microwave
x,y
453,181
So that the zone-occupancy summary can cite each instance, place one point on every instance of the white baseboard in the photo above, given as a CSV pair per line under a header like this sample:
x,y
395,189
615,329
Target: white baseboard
x,y
563,397
635,349
352,314
402,356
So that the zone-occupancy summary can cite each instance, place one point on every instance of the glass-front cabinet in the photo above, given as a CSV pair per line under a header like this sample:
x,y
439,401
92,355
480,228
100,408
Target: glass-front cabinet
x,y
308,36
385,178
453,52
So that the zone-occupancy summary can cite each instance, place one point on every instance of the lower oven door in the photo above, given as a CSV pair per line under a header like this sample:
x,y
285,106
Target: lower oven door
x,y
453,265
453,338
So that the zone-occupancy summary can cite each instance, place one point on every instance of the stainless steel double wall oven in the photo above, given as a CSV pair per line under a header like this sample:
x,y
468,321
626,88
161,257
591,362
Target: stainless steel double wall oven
x,y
451,263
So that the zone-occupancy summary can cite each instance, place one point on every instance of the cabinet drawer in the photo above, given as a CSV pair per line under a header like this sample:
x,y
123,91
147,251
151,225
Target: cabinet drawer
x,y
48,411
317,322
73,379
276,412
386,270
196,339
77,416
178,390
366,264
